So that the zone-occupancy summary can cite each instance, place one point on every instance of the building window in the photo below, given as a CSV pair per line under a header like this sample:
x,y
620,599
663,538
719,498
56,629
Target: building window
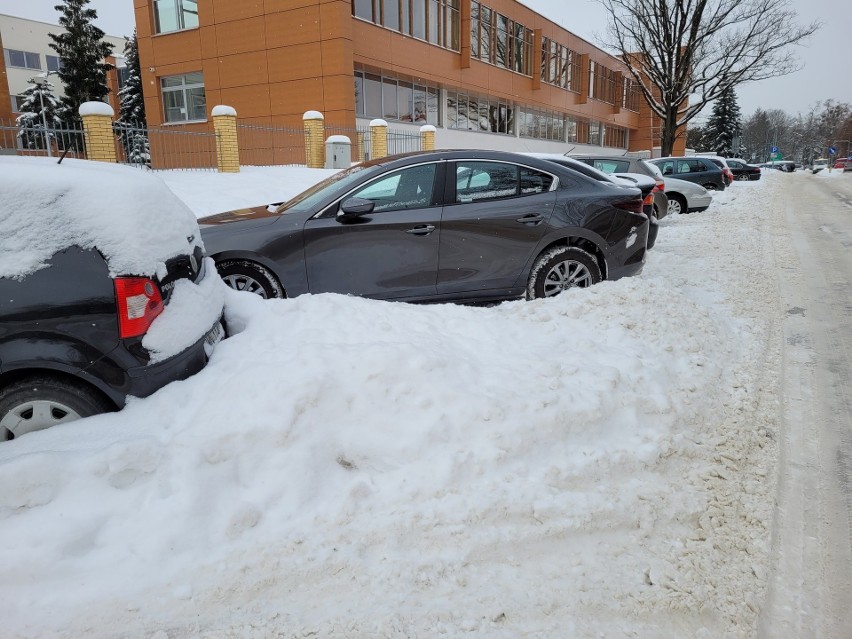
x,y
175,15
479,113
498,40
602,83
379,96
183,98
54,63
615,136
435,21
542,125
123,74
17,101
22,59
559,65
631,95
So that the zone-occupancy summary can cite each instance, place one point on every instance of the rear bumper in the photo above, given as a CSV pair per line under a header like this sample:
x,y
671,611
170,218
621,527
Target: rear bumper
x,y
700,203
626,270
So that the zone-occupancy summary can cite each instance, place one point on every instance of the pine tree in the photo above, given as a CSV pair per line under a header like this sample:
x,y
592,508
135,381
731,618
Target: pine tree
x,y
40,105
82,50
132,125
724,125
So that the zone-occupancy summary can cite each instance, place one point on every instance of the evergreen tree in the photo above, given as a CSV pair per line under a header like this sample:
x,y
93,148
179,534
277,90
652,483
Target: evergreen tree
x,y
40,105
82,50
132,125
724,125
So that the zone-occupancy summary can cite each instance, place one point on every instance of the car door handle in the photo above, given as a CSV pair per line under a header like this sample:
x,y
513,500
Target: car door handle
x,y
422,229
532,218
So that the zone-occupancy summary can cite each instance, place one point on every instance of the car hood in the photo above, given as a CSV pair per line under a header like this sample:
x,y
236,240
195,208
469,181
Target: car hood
x,y
255,213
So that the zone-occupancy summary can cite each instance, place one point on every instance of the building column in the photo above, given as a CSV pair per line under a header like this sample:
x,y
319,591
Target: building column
x,y
227,145
427,137
314,123
97,131
378,139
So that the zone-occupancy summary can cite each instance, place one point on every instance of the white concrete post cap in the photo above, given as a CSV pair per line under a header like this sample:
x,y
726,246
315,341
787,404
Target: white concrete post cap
x,y
221,109
378,122
313,115
96,108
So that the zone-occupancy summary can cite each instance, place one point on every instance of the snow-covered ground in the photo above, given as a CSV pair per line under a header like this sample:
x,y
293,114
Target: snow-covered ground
x,y
600,464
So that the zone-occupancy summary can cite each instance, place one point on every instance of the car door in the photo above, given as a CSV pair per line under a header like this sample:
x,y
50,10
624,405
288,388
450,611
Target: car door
x,y
494,216
389,253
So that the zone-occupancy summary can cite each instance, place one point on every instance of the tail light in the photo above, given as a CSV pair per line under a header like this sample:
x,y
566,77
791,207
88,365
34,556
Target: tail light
x,y
634,206
649,199
661,186
139,302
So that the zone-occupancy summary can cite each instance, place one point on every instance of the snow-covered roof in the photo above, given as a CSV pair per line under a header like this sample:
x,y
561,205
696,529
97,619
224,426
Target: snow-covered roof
x,y
130,216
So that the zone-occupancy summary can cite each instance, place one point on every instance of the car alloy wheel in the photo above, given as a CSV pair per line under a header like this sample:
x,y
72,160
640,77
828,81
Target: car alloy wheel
x,y
243,275
561,269
676,205
743,178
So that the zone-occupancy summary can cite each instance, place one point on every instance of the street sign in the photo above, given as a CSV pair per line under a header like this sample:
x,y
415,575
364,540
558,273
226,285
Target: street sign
x,y
775,155
774,149
832,150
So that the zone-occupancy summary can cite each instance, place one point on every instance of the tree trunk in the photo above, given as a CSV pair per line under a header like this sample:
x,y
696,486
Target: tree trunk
x,y
667,139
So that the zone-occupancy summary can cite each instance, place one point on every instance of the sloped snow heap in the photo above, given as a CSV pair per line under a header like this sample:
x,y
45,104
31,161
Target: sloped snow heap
x,y
132,218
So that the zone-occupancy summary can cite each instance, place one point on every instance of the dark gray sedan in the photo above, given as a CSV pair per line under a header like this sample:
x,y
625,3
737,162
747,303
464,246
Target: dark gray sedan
x,y
435,226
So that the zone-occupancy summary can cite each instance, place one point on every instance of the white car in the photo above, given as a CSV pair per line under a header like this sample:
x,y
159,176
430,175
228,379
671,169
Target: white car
x,y
686,197
818,166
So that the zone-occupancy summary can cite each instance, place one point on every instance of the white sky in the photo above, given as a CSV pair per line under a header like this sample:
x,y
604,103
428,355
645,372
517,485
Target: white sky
x,y
819,80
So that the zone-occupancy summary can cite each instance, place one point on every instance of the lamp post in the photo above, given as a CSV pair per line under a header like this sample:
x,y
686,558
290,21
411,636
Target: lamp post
x,y
40,81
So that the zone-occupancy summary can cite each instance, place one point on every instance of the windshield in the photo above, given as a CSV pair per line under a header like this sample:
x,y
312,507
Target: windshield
x,y
310,198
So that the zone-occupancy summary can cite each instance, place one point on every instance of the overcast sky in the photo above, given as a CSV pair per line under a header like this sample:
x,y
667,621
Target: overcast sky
x,y
826,51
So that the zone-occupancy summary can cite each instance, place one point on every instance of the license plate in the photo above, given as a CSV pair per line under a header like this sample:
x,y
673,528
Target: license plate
x,y
213,337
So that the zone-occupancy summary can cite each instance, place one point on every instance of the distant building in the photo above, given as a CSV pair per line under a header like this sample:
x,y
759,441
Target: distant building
x,y
491,74
27,52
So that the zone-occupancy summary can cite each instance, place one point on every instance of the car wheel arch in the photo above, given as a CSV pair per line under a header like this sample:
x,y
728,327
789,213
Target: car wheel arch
x,y
58,371
587,244
252,258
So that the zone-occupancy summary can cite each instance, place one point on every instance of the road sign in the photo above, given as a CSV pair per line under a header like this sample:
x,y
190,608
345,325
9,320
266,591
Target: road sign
x,y
832,150
775,155
774,149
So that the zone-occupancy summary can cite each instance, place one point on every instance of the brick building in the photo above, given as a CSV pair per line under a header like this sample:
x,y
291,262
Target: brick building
x,y
490,74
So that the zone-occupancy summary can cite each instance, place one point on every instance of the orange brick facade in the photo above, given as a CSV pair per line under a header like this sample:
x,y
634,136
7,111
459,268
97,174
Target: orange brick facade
x,y
5,98
272,60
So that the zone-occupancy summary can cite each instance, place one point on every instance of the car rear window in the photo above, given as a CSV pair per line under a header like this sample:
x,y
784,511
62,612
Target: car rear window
x,y
612,166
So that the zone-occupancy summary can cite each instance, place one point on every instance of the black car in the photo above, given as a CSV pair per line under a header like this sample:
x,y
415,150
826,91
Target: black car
x,y
743,172
692,169
73,333
610,164
436,226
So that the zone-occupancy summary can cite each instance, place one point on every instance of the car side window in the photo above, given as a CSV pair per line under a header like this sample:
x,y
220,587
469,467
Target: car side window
x,y
533,181
683,166
409,188
477,181
612,166
733,164
667,168
697,166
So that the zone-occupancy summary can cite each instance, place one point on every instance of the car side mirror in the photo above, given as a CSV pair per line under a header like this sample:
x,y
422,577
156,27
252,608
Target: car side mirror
x,y
355,207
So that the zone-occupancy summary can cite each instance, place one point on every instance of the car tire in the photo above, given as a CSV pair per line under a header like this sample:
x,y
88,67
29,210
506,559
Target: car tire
x,y
562,268
677,204
41,401
744,178
244,275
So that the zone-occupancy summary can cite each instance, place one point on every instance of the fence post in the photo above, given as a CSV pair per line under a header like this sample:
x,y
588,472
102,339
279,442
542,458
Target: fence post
x,y
314,123
227,146
427,137
378,138
97,130
359,136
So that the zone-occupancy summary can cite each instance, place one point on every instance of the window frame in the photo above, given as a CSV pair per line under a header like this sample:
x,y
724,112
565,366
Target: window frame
x,y
183,88
452,180
180,16
7,58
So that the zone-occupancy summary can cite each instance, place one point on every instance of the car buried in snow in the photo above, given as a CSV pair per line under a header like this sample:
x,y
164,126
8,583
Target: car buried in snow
x,y
455,226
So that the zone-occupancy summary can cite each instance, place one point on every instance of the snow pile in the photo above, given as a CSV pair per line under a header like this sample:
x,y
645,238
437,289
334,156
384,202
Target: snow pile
x,y
592,465
131,217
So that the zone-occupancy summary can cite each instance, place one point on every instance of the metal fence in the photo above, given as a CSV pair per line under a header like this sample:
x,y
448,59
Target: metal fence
x,y
267,145
67,139
402,141
191,147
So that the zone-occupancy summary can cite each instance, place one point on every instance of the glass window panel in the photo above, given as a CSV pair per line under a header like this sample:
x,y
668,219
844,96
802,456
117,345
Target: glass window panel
x,y
474,37
533,181
418,19
545,47
189,14
33,60
197,104
54,63
407,189
483,116
451,29
166,16
389,106
552,59
390,16
485,33
359,94
174,106
172,81
364,9
372,96
502,41
194,78
420,104
520,49
405,19
404,96
433,115
479,181
433,21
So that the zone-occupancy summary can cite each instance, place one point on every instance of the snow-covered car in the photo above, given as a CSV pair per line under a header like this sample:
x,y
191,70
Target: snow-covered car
x,y
686,197
819,165
106,292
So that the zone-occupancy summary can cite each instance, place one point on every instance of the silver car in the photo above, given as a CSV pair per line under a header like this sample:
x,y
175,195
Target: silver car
x,y
686,197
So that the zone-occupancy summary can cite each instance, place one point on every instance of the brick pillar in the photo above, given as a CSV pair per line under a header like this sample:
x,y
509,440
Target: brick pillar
x,y
378,139
314,123
227,146
97,130
359,148
427,137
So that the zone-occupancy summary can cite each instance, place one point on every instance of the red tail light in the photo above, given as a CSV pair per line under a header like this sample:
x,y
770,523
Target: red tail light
x,y
139,302
661,186
634,205
649,199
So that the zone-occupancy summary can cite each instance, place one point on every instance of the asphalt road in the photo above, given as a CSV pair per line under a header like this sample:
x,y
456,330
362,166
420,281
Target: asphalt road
x,y
810,585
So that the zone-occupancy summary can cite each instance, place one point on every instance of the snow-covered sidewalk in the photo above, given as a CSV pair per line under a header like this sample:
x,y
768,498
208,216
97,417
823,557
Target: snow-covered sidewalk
x,y
600,464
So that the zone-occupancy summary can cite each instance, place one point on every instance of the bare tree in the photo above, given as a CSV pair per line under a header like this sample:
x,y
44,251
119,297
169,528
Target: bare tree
x,y
686,53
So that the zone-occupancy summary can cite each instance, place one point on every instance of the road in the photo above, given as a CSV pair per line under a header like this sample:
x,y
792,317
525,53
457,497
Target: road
x,y
810,585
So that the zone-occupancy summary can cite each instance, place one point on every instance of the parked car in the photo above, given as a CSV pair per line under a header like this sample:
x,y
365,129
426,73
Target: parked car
x,y
92,257
722,163
743,172
692,169
785,166
819,165
641,181
436,226
840,164
686,197
622,164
